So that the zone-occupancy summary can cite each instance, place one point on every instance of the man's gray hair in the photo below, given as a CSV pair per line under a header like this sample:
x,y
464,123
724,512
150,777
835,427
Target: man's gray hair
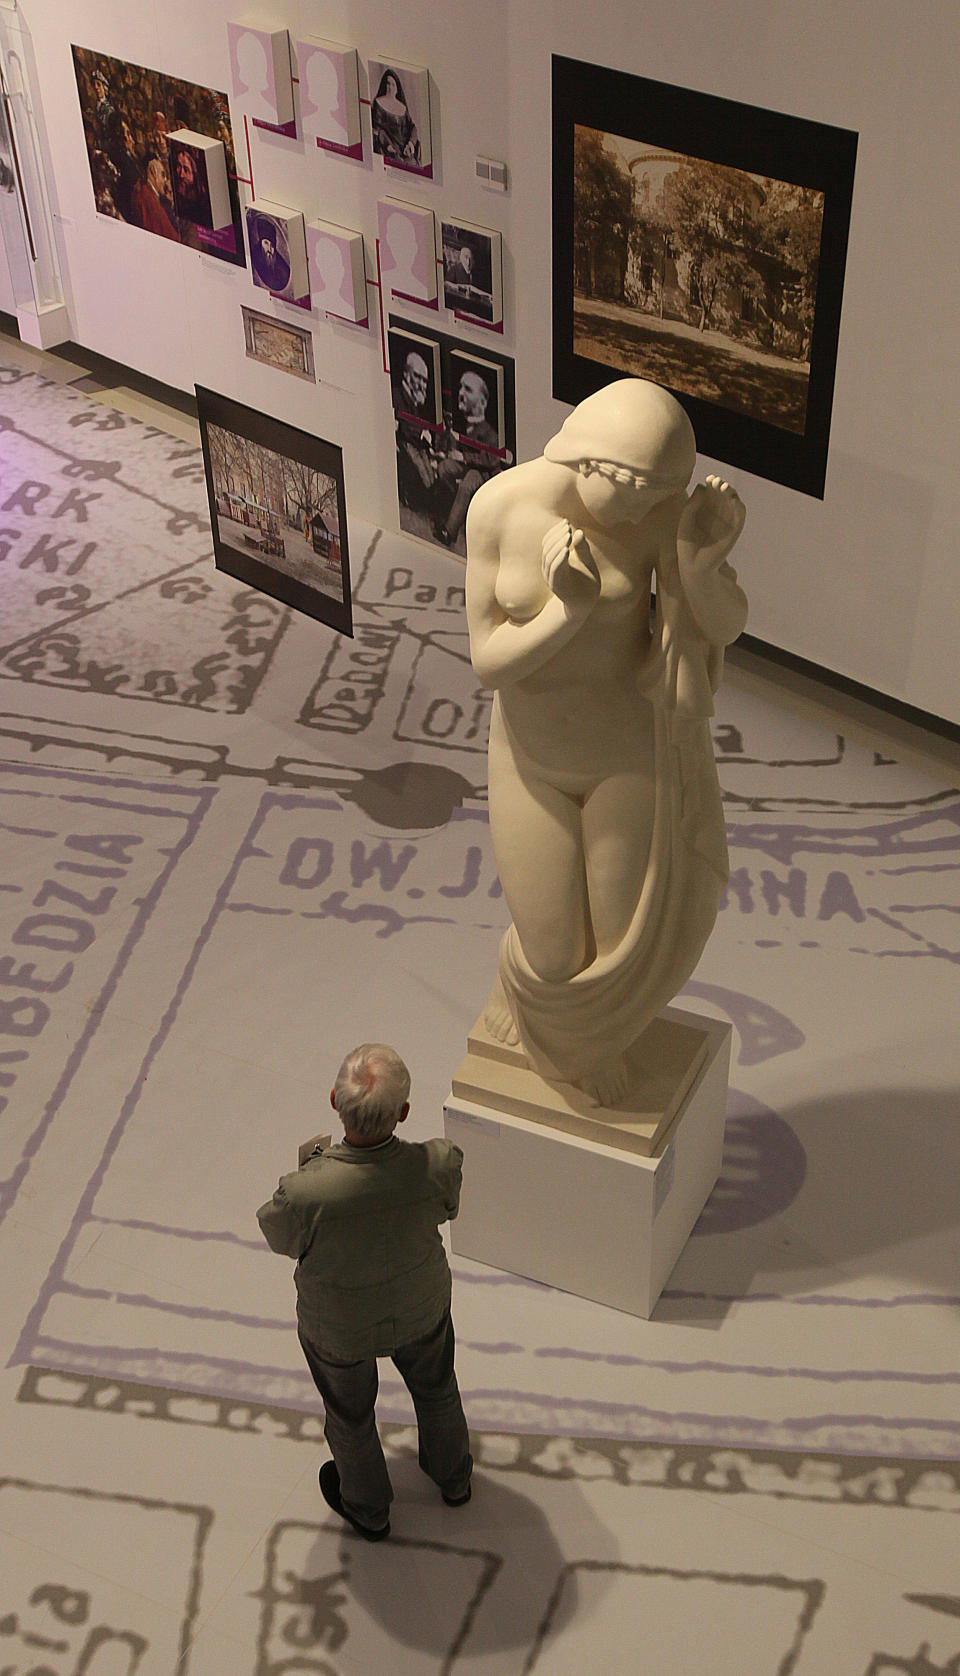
x,y
370,1090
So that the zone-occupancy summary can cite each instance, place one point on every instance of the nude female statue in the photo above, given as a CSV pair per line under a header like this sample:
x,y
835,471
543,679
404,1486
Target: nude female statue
x,y
604,801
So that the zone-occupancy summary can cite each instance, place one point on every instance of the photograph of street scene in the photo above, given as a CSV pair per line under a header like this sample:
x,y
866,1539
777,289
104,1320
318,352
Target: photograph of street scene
x,y
277,510
694,274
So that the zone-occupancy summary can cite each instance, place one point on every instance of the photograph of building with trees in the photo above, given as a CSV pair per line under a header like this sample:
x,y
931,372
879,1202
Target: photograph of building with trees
x,y
277,509
694,274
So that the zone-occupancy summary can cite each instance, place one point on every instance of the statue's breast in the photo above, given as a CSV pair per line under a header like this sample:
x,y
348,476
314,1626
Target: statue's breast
x,y
520,589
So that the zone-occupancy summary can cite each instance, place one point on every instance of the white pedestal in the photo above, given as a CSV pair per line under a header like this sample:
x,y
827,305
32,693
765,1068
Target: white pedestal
x,y
597,1220
43,327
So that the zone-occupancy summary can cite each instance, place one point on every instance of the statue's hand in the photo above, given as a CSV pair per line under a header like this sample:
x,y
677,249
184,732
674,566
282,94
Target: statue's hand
x,y
709,525
568,568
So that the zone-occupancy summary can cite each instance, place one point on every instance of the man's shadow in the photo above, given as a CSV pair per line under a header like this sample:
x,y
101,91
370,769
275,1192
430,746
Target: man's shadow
x,y
478,1581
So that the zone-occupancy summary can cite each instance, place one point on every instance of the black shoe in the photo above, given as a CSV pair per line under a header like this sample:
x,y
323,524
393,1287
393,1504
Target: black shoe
x,y
330,1491
458,1501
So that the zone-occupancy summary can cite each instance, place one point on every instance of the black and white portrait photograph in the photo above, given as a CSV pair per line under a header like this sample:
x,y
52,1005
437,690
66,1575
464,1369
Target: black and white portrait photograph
x,y
415,376
277,508
701,244
476,385
442,462
400,115
472,283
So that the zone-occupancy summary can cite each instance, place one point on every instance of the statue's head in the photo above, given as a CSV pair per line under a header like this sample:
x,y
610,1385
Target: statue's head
x,y
633,425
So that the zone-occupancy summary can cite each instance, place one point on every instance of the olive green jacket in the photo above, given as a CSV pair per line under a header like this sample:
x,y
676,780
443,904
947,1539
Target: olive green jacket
x,y
364,1226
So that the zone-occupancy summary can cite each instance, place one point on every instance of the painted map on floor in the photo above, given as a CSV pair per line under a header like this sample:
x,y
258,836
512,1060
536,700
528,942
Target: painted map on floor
x,y
341,886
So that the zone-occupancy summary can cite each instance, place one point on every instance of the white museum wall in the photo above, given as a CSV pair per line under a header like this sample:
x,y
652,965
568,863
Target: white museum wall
x,y
862,582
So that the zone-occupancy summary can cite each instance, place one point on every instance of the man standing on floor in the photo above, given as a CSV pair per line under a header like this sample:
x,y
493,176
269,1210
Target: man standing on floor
x,y
363,1220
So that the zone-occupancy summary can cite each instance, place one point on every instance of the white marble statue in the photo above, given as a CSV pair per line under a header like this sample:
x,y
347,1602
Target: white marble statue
x,y
604,801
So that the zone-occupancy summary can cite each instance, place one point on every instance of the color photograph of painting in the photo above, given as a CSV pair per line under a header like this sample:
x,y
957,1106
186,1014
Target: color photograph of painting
x,y
128,113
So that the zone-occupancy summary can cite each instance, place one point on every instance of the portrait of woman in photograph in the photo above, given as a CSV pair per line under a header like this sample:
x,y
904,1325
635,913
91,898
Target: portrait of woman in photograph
x,y
395,133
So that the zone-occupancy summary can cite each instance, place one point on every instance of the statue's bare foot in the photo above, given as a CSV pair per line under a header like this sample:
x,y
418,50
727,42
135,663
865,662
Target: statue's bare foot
x,y
498,1018
606,1084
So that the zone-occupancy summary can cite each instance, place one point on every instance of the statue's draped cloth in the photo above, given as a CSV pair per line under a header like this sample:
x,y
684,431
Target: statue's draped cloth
x,y
593,1017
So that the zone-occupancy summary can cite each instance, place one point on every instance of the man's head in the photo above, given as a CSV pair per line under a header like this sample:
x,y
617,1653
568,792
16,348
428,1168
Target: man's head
x,y
186,172
466,259
157,177
416,380
370,1093
472,397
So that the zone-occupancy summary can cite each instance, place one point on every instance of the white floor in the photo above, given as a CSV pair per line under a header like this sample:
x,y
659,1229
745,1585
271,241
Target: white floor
x,y
214,877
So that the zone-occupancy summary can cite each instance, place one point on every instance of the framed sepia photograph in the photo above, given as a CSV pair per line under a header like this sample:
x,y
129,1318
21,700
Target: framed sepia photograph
x,y
702,244
455,419
278,343
277,508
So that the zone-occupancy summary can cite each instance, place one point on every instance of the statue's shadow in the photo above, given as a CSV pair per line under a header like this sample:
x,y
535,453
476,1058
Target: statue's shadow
x,y
841,1189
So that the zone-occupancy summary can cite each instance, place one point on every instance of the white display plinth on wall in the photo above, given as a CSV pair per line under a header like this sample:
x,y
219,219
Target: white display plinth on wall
x,y
603,1219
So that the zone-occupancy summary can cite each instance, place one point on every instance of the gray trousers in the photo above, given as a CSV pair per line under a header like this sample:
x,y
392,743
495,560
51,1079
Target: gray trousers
x,y
349,1392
